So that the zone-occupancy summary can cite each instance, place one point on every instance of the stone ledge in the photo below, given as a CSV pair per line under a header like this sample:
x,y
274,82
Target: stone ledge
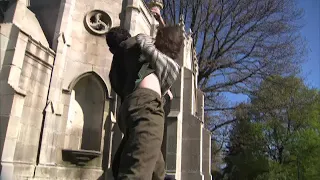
x,y
79,157
16,170
60,172
174,114
18,91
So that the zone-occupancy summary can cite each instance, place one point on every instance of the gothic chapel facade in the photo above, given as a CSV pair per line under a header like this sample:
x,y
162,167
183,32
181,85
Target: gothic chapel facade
x,y
57,109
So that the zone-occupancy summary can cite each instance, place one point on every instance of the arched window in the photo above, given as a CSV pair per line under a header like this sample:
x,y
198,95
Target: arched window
x,y
86,113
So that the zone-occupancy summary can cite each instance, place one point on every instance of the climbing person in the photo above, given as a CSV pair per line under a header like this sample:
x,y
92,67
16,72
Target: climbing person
x,y
142,72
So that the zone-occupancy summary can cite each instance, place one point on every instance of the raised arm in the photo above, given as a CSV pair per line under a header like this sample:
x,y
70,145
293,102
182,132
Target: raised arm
x,y
166,69
157,59
158,17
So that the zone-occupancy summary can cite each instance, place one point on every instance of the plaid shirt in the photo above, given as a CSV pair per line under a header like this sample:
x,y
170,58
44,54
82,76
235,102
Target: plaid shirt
x,y
166,69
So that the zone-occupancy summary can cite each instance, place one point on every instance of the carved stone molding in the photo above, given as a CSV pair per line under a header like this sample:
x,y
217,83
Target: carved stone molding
x,y
158,3
97,22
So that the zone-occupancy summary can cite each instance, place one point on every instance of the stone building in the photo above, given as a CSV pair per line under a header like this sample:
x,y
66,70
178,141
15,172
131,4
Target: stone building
x,y
57,109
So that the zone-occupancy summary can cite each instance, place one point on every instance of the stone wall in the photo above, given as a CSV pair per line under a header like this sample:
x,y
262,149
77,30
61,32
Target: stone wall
x,y
138,18
187,145
206,154
18,14
56,97
81,54
25,79
191,134
81,58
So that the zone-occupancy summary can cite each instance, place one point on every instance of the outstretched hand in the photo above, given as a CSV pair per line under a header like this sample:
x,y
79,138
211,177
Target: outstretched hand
x,y
157,15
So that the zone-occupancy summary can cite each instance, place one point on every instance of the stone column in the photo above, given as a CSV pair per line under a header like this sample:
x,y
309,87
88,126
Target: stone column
x,y
205,139
11,105
200,105
54,125
132,14
12,97
174,123
171,143
172,140
56,112
114,137
206,154
191,134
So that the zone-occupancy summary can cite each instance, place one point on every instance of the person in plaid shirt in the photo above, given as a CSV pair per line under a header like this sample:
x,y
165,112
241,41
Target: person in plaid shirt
x,y
165,68
149,71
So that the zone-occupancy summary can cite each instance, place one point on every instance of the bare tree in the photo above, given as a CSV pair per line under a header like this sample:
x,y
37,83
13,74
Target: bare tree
x,y
238,43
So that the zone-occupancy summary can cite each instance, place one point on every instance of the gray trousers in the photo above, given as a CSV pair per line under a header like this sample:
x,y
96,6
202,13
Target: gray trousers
x,y
141,119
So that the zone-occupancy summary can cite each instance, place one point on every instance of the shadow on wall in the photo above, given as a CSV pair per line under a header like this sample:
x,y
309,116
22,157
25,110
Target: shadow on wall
x,y
110,148
47,13
106,149
3,7
122,14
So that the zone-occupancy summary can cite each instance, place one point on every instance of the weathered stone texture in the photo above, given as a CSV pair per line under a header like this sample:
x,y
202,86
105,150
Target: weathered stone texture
x,y
55,94
206,154
25,20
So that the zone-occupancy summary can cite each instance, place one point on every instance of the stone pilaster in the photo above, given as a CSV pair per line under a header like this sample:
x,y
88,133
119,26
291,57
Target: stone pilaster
x,y
12,97
54,126
132,14
206,154
191,134
26,69
79,54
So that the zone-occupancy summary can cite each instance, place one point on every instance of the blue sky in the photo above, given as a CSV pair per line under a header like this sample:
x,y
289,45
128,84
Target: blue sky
x,y
311,31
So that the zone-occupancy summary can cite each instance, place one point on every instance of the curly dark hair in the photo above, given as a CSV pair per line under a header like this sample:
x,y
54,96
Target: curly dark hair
x,y
115,36
169,40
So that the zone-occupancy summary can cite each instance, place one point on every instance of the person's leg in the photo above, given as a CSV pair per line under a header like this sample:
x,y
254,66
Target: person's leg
x,y
159,170
145,134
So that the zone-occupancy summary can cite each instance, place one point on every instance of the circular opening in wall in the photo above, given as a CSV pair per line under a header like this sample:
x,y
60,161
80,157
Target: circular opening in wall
x,y
97,22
